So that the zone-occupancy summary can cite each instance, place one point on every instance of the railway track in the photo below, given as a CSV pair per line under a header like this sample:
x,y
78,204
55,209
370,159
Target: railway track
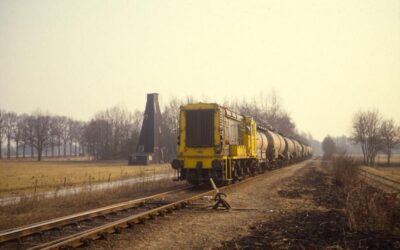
x,y
380,181
33,235
82,228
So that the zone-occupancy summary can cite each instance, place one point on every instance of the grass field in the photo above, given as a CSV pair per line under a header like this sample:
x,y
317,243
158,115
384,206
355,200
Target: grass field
x,y
380,166
381,159
393,171
21,177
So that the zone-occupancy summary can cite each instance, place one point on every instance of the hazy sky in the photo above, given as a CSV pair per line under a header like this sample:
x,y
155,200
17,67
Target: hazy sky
x,y
326,59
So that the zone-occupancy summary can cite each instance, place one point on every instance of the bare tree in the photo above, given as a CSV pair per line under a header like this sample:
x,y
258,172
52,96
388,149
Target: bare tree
x,y
64,133
71,134
169,127
24,131
328,147
41,135
54,134
76,130
2,113
10,124
268,111
366,131
137,121
97,136
18,134
111,133
389,132
30,123
81,138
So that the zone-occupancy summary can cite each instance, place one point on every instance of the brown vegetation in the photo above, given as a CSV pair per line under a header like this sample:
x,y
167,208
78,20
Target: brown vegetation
x,y
368,208
318,217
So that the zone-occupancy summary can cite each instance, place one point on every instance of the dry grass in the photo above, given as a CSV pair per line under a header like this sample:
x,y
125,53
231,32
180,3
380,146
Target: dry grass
x,y
394,171
35,210
368,208
390,172
381,159
345,171
21,177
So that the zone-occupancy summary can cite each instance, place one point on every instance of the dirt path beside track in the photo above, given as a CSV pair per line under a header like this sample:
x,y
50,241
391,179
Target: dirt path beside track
x,y
199,228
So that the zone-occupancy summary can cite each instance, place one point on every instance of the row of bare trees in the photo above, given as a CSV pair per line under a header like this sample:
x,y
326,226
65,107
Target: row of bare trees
x,y
113,133
41,133
268,110
375,134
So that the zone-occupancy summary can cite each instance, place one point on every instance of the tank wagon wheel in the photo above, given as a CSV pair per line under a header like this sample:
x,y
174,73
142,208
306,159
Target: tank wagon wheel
x,y
254,168
235,171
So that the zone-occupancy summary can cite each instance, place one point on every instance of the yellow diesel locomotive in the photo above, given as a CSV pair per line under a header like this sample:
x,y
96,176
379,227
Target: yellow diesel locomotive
x,y
215,142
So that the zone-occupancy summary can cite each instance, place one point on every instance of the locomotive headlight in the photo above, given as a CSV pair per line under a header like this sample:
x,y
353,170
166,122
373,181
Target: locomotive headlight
x,y
177,164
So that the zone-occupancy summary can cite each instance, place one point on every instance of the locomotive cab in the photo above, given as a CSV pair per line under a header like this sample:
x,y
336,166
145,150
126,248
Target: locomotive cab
x,y
199,143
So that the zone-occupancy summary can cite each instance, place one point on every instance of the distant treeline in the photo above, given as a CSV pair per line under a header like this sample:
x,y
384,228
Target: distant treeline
x,y
114,133
371,134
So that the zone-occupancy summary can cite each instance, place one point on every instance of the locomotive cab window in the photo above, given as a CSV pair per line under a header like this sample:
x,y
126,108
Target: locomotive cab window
x,y
200,128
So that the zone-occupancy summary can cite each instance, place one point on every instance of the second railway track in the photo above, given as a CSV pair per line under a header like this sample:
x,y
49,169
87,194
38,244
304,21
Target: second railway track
x,y
380,181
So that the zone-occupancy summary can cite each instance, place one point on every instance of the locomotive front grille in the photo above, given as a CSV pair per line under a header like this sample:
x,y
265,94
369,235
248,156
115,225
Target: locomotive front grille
x,y
200,128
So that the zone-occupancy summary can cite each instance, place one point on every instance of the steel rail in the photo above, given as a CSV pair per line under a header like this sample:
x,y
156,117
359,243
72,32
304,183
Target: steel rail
x,y
383,180
84,237
34,228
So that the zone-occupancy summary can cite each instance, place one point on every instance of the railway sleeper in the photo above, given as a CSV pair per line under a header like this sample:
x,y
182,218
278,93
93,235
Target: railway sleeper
x,y
118,229
104,235
131,224
85,242
66,247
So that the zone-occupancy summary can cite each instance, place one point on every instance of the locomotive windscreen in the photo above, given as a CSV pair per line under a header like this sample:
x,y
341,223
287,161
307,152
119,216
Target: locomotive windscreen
x,y
200,128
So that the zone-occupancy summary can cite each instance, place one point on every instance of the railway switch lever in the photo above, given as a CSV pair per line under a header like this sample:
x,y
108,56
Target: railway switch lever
x,y
219,198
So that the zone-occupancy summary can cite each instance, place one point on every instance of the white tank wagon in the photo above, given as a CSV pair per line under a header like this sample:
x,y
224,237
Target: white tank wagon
x,y
289,149
276,147
262,145
297,149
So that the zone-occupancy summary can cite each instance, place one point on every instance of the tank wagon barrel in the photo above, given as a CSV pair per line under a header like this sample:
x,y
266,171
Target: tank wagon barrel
x,y
276,146
218,143
290,150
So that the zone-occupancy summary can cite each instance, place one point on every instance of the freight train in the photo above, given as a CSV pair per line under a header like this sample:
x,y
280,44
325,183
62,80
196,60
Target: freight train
x,y
215,142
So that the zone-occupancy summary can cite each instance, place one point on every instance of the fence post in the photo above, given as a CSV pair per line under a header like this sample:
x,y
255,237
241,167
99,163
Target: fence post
x,y
36,181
